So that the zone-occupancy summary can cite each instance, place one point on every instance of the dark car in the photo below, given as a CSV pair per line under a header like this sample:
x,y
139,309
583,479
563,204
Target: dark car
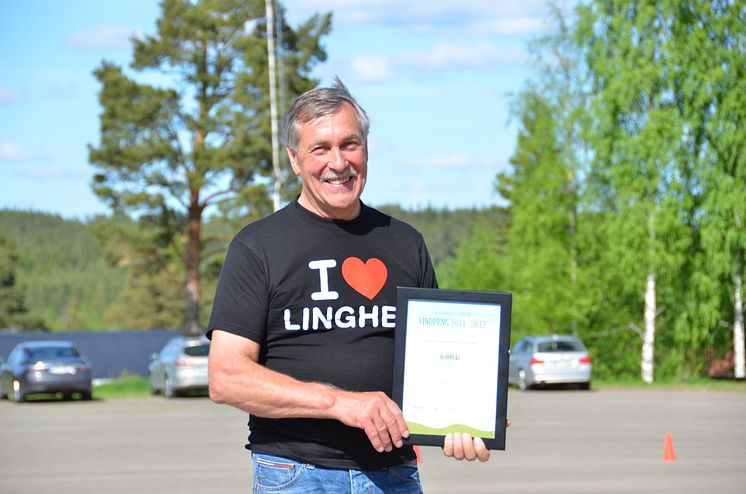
x,y
36,367
181,366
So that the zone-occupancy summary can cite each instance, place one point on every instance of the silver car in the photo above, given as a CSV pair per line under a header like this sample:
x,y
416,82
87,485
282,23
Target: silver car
x,y
45,367
555,359
180,366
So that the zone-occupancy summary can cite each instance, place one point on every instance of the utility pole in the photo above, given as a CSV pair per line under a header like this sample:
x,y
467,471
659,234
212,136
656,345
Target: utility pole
x,y
270,15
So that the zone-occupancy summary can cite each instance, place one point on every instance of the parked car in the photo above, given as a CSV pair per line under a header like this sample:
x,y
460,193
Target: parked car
x,y
180,366
555,359
36,367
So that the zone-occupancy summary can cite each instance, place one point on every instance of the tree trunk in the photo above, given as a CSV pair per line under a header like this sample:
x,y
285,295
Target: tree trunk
x,y
192,287
648,341
738,336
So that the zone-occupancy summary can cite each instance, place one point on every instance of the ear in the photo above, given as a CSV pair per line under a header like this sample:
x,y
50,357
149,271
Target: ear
x,y
293,157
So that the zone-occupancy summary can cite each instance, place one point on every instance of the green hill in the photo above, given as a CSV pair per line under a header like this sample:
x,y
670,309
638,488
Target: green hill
x,y
67,280
70,285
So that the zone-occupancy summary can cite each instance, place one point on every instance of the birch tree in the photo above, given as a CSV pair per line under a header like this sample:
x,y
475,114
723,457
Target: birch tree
x,y
717,33
637,126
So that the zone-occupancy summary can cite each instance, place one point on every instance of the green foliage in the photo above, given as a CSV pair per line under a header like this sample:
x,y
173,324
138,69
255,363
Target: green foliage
x,y
444,230
629,162
12,294
478,262
67,281
542,236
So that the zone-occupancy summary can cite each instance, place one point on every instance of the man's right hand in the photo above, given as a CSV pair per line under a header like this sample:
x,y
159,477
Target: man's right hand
x,y
374,412
234,362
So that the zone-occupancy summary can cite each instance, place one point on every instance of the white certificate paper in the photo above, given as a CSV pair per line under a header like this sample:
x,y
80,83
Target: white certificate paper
x,y
450,379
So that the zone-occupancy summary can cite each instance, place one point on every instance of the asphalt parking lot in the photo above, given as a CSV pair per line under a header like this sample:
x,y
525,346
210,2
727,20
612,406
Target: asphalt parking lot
x,y
561,441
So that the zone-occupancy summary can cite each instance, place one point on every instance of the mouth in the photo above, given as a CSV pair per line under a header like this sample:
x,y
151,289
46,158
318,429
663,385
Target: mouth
x,y
340,180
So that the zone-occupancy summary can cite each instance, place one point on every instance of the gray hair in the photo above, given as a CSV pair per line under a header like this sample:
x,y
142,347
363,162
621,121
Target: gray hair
x,y
317,103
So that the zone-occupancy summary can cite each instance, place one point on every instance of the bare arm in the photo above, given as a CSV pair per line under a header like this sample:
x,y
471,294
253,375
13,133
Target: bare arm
x,y
237,379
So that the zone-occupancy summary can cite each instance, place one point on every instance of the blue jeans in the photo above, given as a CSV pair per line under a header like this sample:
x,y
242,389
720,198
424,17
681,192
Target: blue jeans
x,y
276,474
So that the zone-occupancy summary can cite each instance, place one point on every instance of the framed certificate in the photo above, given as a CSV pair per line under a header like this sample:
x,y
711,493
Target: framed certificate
x,y
451,363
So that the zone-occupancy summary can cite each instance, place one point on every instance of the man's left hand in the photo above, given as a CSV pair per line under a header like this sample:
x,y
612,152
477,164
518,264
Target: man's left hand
x,y
464,447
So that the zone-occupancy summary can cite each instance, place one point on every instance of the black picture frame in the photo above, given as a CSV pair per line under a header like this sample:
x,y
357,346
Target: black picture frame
x,y
468,299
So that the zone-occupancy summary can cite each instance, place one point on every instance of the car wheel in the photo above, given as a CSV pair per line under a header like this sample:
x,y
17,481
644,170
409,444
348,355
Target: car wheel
x,y
18,394
153,390
522,380
585,386
86,396
168,390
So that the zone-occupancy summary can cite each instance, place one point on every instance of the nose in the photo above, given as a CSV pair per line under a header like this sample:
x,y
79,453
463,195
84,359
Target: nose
x,y
338,163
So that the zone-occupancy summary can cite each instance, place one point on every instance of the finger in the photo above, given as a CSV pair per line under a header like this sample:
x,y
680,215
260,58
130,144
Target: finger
x,y
393,429
383,433
468,444
398,417
507,422
448,445
388,417
372,432
458,446
483,454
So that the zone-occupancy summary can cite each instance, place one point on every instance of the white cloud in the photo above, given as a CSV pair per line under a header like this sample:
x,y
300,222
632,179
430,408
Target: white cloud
x,y
458,56
103,37
10,151
442,161
439,58
371,68
426,13
13,153
8,96
52,171
517,26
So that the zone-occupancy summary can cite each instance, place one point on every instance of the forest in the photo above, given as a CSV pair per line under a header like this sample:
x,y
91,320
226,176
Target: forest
x,y
625,198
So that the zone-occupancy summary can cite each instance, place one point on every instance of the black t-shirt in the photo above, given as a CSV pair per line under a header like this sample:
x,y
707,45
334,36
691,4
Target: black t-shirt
x,y
319,296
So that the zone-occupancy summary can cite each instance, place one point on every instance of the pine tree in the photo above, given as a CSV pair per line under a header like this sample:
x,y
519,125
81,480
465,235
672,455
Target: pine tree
x,y
196,142
540,247
11,293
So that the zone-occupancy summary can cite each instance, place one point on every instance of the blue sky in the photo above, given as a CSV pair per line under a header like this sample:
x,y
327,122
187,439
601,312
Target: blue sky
x,y
435,78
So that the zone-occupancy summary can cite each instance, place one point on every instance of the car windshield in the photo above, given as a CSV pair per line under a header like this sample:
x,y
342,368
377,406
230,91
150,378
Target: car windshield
x,y
560,346
197,350
51,353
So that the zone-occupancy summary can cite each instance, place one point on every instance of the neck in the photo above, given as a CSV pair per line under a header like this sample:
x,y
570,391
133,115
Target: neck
x,y
328,213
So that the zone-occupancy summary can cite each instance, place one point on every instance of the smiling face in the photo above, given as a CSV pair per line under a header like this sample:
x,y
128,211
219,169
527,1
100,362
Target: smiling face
x,y
332,162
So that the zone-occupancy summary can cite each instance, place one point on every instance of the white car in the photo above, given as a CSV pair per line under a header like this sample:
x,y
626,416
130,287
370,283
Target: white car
x,y
555,359
181,366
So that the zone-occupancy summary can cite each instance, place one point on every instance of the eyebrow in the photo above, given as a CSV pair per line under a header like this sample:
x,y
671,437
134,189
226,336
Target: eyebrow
x,y
325,142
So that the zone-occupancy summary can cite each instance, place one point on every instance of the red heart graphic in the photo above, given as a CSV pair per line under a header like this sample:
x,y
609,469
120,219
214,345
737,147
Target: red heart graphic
x,y
366,278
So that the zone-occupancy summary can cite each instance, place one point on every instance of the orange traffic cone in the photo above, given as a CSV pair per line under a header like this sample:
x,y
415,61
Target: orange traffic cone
x,y
668,453
417,452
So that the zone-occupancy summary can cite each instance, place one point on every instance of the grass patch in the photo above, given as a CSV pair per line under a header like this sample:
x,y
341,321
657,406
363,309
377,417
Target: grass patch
x,y
133,386
127,386
693,384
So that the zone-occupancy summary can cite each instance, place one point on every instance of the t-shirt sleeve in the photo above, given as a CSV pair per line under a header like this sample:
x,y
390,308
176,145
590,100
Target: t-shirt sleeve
x,y
428,278
241,298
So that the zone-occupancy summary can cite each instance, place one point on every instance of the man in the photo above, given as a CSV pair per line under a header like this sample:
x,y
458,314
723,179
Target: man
x,y
302,326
